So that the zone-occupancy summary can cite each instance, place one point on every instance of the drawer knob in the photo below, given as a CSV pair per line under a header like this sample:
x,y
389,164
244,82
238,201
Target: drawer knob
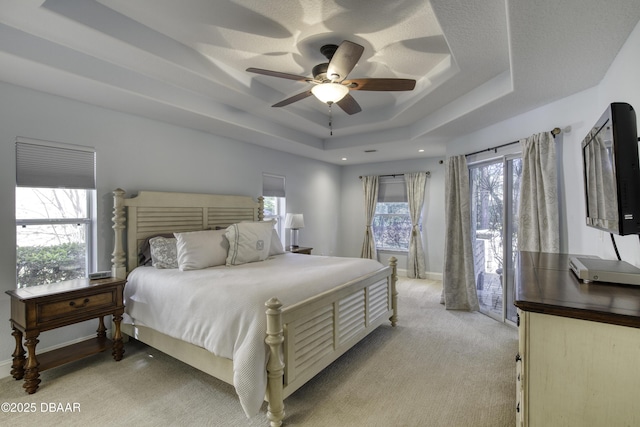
x,y
84,303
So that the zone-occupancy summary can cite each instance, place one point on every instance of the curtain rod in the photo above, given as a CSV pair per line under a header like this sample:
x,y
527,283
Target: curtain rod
x,y
397,174
554,132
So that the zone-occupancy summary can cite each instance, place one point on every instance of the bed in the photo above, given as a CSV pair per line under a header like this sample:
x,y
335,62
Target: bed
x,y
301,330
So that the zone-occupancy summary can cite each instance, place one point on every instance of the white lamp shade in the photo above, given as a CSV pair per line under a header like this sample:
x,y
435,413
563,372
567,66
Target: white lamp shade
x,y
330,92
294,221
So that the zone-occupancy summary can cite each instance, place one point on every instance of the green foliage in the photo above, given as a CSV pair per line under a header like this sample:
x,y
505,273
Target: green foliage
x,y
270,205
38,265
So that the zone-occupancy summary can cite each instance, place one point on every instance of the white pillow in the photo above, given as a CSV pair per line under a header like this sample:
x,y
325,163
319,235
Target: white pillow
x,y
201,249
248,242
164,253
276,245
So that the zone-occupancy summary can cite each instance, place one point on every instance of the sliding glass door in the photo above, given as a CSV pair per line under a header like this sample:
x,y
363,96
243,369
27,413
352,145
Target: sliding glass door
x,y
495,188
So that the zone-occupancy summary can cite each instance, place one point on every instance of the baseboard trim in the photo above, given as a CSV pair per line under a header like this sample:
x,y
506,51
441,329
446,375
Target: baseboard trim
x,y
434,276
429,274
5,365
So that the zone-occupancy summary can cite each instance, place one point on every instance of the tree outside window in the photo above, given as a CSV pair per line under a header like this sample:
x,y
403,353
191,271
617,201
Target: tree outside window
x,y
53,234
392,226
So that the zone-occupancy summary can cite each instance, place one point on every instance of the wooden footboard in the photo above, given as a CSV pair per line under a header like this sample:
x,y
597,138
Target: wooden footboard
x,y
307,337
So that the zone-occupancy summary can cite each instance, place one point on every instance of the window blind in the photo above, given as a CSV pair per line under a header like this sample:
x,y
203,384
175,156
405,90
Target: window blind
x,y
392,189
272,185
54,165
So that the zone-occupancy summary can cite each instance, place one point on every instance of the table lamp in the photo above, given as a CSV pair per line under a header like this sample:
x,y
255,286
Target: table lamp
x,y
294,222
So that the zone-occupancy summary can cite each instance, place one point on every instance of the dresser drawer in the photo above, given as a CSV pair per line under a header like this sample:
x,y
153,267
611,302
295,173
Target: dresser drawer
x,y
73,307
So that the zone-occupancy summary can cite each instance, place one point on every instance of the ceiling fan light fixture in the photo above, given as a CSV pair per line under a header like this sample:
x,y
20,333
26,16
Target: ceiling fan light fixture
x,y
330,92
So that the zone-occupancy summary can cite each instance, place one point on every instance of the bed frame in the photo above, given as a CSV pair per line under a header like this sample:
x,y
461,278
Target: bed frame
x,y
303,338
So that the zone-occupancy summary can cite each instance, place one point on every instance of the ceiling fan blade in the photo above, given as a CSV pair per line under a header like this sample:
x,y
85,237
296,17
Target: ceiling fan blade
x,y
344,60
279,74
380,84
293,99
349,105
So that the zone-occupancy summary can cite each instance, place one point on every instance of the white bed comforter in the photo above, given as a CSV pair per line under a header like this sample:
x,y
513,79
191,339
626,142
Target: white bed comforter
x,y
222,308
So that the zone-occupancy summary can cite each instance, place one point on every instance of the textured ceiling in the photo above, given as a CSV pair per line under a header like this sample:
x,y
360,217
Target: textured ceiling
x,y
184,62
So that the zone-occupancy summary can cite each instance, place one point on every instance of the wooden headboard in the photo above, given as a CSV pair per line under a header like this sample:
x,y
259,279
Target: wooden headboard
x,y
153,212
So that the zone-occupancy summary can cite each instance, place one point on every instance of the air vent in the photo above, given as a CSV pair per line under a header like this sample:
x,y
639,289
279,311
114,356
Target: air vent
x,y
370,151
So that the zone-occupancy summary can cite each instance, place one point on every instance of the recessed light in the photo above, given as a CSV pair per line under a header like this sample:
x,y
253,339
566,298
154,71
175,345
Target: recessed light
x,y
344,158
421,150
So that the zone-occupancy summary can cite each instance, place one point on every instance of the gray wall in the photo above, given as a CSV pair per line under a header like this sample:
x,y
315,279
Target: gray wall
x,y
135,154
575,114
352,223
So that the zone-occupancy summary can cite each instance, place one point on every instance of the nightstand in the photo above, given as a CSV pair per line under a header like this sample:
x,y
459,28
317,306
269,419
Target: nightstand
x,y
41,308
299,250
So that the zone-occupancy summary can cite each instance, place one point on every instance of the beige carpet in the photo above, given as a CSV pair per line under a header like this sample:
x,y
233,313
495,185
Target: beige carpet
x,y
437,368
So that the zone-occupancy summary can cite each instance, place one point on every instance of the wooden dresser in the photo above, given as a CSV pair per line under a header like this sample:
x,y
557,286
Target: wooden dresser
x,y
579,347
45,307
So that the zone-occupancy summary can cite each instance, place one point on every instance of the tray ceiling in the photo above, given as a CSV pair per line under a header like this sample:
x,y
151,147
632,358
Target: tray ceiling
x,y
476,63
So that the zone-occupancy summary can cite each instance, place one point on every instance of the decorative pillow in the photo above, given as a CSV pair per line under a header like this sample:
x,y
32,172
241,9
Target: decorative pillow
x,y
248,242
164,253
276,244
201,249
144,254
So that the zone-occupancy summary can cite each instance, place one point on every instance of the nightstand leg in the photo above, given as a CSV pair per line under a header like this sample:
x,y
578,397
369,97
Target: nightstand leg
x,y
17,367
118,346
102,330
32,375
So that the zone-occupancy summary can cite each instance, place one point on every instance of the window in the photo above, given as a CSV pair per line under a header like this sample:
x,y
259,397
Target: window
x,y
274,201
392,222
495,193
392,226
54,224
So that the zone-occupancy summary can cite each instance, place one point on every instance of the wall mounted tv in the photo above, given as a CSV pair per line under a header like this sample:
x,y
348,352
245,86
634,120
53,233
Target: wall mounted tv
x,y
612,172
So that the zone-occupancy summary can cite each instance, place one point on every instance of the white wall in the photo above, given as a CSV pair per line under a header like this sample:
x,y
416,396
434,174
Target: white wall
x,y
580,112
352,222
135,154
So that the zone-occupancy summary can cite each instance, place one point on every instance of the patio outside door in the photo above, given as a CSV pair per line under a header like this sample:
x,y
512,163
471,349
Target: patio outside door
x,y
495,189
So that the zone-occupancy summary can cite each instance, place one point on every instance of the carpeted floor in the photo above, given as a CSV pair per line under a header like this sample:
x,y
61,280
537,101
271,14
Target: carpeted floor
x,y
436,368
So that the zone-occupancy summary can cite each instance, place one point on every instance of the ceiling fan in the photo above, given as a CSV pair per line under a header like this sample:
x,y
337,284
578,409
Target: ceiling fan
x,y
330,78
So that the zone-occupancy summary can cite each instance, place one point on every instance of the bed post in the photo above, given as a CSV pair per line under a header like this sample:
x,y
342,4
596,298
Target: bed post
x,y
118,268
393,263
261,209
275,365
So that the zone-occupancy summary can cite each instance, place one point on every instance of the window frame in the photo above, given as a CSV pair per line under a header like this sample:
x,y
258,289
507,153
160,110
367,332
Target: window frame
x,y
56,166
392,189
281,205
89,222
274,187
386,215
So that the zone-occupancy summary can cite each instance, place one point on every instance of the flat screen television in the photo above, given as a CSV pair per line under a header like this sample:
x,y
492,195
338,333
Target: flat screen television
x,y
612,172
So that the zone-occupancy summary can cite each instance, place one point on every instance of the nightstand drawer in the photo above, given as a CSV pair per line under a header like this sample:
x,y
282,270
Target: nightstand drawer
x,y
71,307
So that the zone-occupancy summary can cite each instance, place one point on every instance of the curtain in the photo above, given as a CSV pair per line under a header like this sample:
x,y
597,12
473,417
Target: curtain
x,y
416,266
538,215
370,187
459,287
602,202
